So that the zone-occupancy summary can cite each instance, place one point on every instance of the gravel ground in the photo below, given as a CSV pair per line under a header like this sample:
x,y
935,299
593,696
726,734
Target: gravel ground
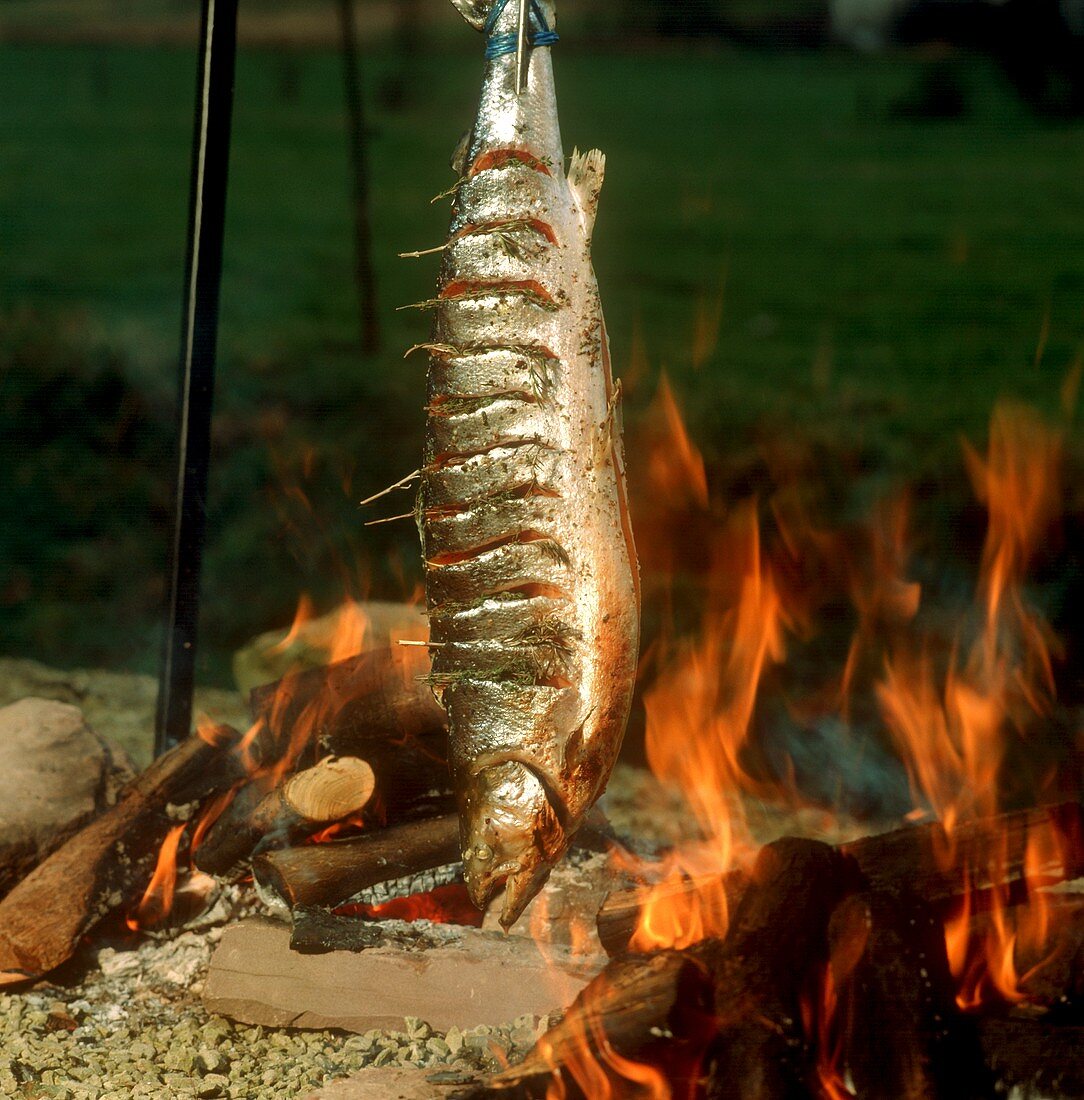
x,y
134,1027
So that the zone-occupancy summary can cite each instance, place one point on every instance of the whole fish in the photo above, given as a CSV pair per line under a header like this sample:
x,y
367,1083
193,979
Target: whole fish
x,y
531,577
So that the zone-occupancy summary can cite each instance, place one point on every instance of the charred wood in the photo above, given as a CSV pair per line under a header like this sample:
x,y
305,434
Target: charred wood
x,y
98,870
930,862
1040,1058
892,1004
326,875
655,1009
730,1009
770,970
318,931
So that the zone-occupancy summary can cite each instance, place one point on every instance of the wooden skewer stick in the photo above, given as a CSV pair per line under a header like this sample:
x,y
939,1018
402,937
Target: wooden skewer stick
x,y
328,874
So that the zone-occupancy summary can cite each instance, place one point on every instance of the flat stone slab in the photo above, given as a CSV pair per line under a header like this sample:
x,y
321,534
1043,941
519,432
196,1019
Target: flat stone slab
x,y
466,978
388,1083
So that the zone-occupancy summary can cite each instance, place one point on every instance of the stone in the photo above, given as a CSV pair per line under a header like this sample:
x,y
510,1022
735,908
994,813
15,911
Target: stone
x,y
55,775
118,706
475,979
214,1084
211,1061
391,1083
375,624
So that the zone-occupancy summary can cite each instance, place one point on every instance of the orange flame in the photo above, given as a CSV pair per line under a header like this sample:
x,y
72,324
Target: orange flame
x,y
305,613
675,467
599,1071
698,715
348,825
157,900
954,739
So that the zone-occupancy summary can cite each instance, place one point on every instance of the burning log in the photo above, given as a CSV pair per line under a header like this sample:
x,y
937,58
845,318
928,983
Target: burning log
x,y
893,1003
329,874
655,1008
383,694
732,1007
619,915
768,967
336,788
1040,1058
818,973
96,871
377,706
920,858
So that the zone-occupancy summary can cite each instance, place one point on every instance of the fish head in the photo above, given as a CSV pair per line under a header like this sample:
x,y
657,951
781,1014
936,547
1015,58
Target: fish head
x,y
510,835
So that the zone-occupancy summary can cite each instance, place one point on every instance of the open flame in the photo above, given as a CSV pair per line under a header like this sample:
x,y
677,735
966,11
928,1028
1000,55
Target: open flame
x,y
954,736
157,900
698,714
956,713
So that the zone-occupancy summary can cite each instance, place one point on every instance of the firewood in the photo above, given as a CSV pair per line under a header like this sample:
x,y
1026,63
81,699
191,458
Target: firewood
x,y
992,849
98,870
382,695
377,706
900,1032
619,914
328,874
654,1009
731,1009
336,788
908,858
771,967
1040,1058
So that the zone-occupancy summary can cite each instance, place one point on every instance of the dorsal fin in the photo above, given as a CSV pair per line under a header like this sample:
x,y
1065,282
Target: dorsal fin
x,y
473,11
585,175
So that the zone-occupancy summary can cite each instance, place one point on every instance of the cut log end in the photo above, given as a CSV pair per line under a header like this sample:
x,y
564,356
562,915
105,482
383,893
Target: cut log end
x,y
335,788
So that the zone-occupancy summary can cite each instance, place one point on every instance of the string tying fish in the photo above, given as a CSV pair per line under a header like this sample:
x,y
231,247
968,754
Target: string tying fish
x,y
500,45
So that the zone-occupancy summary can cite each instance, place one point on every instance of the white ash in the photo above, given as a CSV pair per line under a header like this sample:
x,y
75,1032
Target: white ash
x,y
420,883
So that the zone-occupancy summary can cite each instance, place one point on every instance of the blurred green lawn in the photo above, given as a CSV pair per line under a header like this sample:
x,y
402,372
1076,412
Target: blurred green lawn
x,y
797,256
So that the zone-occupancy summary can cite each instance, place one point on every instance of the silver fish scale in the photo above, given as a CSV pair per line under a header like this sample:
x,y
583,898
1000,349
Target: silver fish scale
x,y
531,577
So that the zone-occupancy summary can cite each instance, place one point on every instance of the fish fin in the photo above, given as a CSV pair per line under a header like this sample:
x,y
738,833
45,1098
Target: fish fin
x,y
585,174
473,11
609,431
459,157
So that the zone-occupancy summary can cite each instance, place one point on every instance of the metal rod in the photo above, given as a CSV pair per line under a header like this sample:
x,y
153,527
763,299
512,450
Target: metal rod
x,y
357,134
199,333
522,57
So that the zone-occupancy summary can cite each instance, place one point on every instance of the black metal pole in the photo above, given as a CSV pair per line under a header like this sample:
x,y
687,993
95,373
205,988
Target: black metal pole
x,y
203,272
364,275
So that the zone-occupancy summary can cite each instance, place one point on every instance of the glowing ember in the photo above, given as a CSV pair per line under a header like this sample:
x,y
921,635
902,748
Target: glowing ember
x,y
443,905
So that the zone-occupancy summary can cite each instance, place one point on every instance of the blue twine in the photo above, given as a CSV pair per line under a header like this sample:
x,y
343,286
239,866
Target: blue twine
x,y
500,45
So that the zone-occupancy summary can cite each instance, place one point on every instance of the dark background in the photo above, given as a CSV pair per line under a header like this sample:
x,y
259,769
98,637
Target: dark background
x,y
844,234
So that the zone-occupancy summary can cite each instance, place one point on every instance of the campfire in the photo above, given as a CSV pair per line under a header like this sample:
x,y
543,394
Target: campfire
x,y
937,955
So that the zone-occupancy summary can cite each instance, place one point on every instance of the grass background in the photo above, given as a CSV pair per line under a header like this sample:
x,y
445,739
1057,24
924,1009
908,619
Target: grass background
x,y
802,256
